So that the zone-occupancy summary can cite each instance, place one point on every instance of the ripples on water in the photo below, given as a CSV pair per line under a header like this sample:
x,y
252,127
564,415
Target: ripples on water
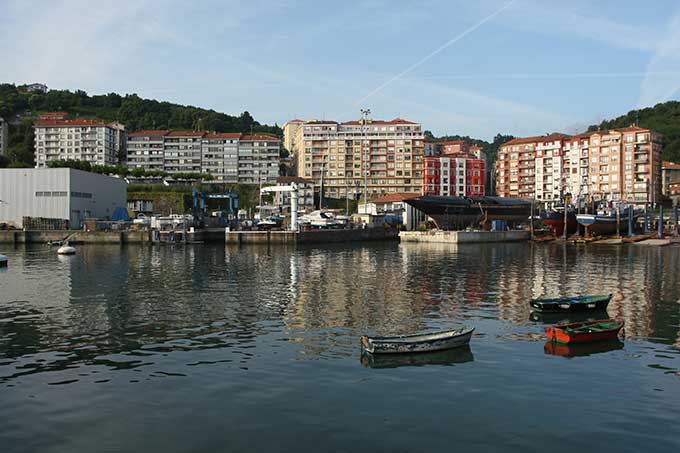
x,y
262,327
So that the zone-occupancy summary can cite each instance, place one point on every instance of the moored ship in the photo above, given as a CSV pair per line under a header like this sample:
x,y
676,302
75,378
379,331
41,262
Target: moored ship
x,y
450,213
605,223
554,219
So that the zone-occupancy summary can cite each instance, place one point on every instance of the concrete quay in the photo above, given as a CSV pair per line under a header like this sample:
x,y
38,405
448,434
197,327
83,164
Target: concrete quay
x,y
310,237
464,237
75,236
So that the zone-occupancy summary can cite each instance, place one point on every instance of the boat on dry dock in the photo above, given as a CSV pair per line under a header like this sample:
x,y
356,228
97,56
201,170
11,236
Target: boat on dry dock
x,y
451,213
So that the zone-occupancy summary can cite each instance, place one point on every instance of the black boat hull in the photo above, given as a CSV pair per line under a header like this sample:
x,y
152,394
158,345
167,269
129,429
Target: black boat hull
x,y
461,212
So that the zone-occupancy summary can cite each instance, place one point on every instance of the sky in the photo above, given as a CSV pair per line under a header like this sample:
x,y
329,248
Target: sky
x,y
478,68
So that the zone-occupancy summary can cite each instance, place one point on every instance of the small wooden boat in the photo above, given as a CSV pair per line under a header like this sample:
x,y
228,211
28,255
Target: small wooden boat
x,y
584,332
570,304
425,342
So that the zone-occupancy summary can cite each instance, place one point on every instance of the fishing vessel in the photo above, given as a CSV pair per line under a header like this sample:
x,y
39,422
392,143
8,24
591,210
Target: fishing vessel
x,y
584,332
451,213
571,304
554,219
424,342
604,222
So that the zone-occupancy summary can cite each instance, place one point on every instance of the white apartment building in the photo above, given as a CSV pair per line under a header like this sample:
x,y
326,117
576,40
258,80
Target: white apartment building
x,y
390,153
145,150
4,136
228,157
549,177
77,139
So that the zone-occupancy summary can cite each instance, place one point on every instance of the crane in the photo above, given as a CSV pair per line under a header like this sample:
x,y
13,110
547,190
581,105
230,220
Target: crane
x,y
293,189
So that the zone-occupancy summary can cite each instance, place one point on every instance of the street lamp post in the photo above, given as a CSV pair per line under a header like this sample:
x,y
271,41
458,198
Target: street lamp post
x,y
365,113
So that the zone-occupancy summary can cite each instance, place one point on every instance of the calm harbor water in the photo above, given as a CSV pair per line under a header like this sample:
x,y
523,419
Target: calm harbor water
x,y
213,348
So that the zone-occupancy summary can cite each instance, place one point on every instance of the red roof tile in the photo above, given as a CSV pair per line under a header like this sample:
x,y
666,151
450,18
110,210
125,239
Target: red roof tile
x,y
223,135
149,133
378,122
667,164
67,123
261,138
186,134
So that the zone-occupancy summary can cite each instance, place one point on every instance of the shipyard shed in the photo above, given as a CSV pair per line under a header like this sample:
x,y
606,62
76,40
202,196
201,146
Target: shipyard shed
x,y
58,193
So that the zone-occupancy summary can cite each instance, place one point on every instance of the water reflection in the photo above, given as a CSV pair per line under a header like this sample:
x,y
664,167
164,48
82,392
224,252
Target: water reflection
x,y
450,357
119,307
581,350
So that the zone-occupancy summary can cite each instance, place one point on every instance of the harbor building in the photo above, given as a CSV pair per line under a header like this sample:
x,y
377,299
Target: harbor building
x,y
59,137
63,194
228,157
332,155
453,170
4,137
616,164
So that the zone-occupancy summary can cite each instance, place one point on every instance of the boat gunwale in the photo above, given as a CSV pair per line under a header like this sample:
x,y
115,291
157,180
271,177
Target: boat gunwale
x,y
574,300
422,337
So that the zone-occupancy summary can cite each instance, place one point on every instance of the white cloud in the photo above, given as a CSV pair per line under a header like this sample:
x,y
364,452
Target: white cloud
x,y
666,58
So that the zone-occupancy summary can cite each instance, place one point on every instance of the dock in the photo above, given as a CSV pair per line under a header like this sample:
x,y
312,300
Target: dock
x,y
311,236
464,237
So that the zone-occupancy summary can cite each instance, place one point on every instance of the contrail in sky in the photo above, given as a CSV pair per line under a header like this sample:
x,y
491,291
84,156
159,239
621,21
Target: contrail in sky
x,y
563,75
436,51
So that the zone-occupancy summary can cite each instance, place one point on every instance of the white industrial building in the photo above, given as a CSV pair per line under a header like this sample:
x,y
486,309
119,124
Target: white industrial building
x,y
58,193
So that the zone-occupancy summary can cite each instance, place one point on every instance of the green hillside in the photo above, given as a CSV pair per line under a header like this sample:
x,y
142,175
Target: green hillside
x,y
663,118
135,112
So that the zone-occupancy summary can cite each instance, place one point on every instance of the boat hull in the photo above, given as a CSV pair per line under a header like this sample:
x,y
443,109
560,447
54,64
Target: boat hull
x,y
602,225
584,332
572,304
438,341
555,221
461,212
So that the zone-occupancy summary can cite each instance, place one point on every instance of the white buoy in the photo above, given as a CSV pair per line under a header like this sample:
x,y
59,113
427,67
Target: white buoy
x,y
66,250
3,261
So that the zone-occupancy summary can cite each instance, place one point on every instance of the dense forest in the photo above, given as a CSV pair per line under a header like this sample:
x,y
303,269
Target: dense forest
x,y
19,107
663,118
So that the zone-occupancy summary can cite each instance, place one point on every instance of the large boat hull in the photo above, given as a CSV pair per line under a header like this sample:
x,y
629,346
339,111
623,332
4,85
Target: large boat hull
x,y
461,212
603,225
555,221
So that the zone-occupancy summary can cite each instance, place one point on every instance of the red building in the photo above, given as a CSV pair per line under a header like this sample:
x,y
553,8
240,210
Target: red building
x,y
454,175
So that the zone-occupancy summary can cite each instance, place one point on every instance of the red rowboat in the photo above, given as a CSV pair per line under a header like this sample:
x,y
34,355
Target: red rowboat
x,y
584,332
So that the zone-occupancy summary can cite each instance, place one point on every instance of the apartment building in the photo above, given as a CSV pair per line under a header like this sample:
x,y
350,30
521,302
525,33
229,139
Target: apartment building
x,y
451,169
290,130
145,149
219,155
390,153
4,136
258,159
58,137
228,157
670,176
617,164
